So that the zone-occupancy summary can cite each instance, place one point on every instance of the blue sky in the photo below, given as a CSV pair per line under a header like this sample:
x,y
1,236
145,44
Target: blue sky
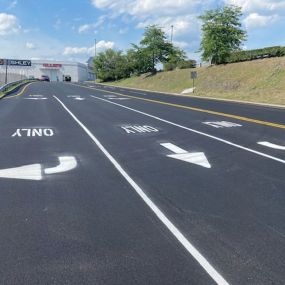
x,y
66,30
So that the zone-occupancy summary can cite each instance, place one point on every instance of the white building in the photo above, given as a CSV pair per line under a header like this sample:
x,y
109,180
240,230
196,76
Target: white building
x,y
56,70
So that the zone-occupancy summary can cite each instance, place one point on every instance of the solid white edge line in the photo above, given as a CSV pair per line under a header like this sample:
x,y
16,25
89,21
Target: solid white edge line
x,y
195,131
216,276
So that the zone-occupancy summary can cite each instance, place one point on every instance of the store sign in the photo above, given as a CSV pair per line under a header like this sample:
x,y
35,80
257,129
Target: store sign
x,y
19,62
52,65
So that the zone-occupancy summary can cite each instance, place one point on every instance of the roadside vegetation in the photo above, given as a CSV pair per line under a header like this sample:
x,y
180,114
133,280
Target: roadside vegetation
x,y
260,80
143,58
233,73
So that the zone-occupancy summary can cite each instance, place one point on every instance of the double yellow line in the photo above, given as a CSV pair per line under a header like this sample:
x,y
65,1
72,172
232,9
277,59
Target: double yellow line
x,y
20,93
250,120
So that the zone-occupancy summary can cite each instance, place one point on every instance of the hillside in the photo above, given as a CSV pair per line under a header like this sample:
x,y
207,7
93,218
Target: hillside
x,y
257,81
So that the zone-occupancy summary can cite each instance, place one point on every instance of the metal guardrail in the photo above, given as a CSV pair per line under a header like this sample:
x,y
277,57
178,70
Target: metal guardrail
x,y
6,87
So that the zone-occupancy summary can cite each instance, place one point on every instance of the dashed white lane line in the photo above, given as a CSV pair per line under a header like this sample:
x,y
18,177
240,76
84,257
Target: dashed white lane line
x,y
195,131
216,276
272,145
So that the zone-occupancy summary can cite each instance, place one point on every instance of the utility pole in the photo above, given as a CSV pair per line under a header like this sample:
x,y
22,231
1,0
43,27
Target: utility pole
x,y
171,38
95,48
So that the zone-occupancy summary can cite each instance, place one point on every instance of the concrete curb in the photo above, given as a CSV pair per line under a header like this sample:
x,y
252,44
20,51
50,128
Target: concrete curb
x,y
203,97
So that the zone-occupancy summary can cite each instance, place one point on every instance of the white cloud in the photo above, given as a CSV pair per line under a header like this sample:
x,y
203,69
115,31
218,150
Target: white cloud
x,y
255,20
101,45
30,45
89,27
180,13
8,24
140,8
259,5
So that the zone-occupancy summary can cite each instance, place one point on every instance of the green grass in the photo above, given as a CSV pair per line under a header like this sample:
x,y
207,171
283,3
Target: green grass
x,y
256,81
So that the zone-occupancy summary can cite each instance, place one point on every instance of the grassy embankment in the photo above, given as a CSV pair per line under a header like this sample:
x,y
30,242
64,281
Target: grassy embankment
x,y
256,81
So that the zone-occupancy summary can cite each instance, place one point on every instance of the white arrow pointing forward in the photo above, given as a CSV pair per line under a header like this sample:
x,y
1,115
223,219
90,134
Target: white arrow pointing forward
x,y
35,171
197,158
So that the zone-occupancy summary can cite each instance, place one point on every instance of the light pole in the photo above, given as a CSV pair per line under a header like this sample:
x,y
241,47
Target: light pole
x,y
171,38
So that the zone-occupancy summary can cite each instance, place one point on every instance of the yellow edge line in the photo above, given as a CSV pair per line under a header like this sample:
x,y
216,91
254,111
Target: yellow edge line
x,y
265,123
20,93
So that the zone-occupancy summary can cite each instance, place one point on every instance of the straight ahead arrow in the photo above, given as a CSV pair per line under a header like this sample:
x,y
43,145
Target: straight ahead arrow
x,y
198,158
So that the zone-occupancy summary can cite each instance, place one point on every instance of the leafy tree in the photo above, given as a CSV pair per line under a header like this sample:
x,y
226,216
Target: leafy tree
x,y
111,65
221,33
155,46
175,57
139,60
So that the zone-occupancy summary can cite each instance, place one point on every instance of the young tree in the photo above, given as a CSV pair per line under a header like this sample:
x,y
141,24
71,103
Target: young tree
x,y
221,33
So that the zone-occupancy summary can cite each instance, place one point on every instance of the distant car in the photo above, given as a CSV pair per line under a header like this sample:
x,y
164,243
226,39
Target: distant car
x,y
44,78
67,78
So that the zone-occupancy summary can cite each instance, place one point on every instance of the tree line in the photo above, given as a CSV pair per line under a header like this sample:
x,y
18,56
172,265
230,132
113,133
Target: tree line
x,y
153,49
222,35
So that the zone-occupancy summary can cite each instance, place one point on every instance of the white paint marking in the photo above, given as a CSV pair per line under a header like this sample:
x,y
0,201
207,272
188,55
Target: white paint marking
x,y
197,158
217,277
272,145
195,131
33,132
139,129
26,172
66,163
222,124
34,171
119,98
36,98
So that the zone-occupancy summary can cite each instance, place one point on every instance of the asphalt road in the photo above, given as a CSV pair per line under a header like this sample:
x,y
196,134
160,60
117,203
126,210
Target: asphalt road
x,y
103,185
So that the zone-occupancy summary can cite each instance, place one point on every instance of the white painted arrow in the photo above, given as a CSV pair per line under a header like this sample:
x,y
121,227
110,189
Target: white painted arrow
x,y
272,145
34,171
197,158
26,172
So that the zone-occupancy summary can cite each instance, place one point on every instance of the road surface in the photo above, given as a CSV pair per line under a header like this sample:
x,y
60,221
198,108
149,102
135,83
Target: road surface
x,y
104,185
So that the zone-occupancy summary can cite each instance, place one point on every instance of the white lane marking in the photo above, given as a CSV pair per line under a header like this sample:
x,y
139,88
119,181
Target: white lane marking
x,y
195,131
39,96
161,216
76,97
26,172
198,158
222,124
133,129
66,163
272,145
34,171
36,98
119,98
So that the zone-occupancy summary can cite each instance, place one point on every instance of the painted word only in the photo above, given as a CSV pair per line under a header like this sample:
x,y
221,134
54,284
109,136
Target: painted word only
x,y
139,129
222,124
37,132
